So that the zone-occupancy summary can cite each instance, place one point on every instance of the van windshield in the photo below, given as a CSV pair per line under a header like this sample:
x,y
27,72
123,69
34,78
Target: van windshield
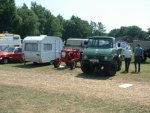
x,y
8,49
100,43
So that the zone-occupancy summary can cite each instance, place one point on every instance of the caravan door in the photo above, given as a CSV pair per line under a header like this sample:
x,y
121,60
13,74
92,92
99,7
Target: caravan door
x,y
47,54
32,51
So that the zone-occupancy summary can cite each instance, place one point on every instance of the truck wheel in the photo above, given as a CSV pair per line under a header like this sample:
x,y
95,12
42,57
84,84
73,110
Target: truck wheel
x,y
5,60
87,68
119,64
67,64
111,68
35,63
56,64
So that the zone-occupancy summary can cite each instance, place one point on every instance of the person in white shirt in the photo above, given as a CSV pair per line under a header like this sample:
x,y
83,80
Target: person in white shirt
x,y
128,55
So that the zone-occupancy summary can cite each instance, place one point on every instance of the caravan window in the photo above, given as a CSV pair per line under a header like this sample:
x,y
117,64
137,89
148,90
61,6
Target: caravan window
x,y
47,47
16,38
31,46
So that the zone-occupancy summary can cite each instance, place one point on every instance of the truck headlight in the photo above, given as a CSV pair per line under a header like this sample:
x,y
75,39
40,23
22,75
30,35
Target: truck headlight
x,y
106,58
85,57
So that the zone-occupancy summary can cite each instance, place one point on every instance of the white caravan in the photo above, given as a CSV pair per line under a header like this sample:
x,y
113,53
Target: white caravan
x,y
9,40
42,49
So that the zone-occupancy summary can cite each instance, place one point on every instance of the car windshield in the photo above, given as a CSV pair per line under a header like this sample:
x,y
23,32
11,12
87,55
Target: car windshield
x,y
100,42
8,49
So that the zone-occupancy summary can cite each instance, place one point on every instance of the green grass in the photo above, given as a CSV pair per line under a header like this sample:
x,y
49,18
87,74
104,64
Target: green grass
x,y
40,68
17,99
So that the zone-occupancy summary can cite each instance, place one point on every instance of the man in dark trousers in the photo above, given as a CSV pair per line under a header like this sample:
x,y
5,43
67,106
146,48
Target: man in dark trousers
x,y
138,55
128,56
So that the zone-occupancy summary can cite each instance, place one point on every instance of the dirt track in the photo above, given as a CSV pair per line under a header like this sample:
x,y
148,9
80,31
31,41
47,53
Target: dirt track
x,y
78,84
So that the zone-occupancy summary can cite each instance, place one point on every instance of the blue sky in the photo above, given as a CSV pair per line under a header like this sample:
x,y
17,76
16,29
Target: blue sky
x,y
112,13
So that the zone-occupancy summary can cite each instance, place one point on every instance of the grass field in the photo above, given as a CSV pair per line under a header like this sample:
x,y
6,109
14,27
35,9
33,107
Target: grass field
x,y
43,89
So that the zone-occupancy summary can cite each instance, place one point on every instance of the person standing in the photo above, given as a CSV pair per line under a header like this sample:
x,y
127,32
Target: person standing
x,y
138,55
128,56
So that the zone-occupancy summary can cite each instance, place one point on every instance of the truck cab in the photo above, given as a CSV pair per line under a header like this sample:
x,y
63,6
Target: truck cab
x,y
101,53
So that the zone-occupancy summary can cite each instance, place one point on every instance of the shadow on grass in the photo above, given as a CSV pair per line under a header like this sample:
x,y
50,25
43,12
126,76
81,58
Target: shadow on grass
x,y
133,72
123,72
31,65
141,62
95,76
145,63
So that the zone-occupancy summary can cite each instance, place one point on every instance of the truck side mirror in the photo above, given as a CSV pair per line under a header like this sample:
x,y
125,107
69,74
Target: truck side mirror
x,y
118,45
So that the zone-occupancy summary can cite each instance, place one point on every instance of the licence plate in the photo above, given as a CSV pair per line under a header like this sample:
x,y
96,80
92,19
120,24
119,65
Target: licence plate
x,y
94,60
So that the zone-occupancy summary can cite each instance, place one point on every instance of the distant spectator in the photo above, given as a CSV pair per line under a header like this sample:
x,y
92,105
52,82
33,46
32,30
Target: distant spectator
x,y
138,55
128,56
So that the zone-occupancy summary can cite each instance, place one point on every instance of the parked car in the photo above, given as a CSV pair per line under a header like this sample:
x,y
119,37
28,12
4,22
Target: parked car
x,y
10,54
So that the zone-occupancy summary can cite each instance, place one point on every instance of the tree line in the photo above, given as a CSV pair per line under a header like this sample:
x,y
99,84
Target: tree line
x,y
38,20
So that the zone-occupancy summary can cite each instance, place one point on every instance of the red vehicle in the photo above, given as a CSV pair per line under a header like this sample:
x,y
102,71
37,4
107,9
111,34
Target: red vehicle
x,y
11,54
70,57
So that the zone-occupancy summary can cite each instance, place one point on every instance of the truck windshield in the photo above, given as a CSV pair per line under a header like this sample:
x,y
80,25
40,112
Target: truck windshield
x,y
100,43
8,49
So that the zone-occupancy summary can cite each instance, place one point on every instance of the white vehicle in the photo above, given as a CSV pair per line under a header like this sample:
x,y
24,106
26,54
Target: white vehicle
x,y
41,49
9,40
76,42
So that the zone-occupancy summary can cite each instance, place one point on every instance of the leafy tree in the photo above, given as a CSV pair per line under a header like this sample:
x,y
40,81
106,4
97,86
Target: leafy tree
x,y
29,24
69,30
56,28
62,23
45,18
75,27
114,33
24,6
133,32
9,20
148,31
98,29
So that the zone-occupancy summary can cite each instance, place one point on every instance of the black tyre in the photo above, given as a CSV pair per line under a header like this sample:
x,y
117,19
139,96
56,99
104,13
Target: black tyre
x,y
87,68
67,64
35,63
56,64
111,68
119,64
5,60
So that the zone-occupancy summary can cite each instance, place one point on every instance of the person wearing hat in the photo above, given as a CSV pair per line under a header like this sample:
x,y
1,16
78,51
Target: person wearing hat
x,y
138,55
